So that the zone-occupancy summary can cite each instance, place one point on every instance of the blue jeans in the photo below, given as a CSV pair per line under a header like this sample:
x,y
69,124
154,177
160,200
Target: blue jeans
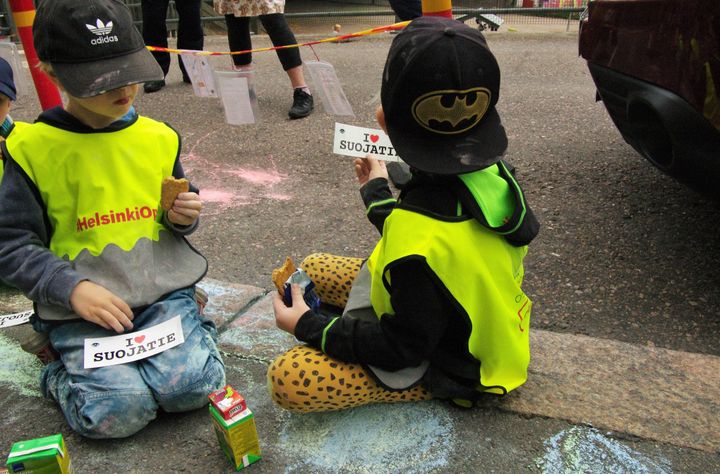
x,y
119,400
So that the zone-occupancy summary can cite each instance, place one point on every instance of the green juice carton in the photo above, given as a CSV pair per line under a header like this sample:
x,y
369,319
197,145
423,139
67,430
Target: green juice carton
x,y
237,435
40,456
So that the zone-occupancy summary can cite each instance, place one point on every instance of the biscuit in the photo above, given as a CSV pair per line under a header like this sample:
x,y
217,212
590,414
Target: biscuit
x,y
281,275
171,187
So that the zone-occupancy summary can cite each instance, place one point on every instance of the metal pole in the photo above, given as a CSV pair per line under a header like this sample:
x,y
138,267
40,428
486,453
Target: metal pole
x,y
23,15
437,8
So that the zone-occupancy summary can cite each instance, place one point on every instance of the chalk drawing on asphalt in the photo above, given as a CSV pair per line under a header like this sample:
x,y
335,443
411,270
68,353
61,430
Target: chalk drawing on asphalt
x,y
219,296
584,449
18,369
224,187
390,438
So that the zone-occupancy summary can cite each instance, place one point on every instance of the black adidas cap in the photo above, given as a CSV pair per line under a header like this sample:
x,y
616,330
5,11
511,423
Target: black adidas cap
x,y
439,90
92,45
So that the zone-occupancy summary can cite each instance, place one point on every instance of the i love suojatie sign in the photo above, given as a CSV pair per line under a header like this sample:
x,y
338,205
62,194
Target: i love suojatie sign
x,y
115,350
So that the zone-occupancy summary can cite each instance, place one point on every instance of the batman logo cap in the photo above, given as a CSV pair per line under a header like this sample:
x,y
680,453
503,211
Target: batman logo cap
x,y
439,90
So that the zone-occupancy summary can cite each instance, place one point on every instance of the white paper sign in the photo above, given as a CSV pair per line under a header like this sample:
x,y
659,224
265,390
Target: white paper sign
x,y
328,87
237,98
15,319
115,350
201,74
359,141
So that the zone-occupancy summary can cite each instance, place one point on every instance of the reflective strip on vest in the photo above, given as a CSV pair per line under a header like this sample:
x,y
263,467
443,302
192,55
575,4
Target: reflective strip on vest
x,y
98,188
481,271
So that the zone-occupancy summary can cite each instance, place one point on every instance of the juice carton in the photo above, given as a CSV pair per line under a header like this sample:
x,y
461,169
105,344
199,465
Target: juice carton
x,y
42,455
237,435
227,402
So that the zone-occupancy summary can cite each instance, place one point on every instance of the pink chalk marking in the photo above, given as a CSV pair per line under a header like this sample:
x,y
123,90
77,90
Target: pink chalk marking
x,y
225,199
259,177
218,196
278,197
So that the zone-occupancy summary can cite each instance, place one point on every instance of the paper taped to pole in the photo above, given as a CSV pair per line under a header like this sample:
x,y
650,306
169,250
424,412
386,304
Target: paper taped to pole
x,y
201,74
238,96
328,88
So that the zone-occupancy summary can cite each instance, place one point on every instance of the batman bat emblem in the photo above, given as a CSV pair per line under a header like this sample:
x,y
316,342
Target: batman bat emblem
x,y
451,111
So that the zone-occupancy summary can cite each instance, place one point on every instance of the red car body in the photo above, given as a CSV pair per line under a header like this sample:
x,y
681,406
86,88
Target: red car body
x,y
656,66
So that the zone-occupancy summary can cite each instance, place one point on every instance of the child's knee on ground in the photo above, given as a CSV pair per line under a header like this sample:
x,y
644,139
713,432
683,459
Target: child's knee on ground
x,y
103,415
306,380
194,395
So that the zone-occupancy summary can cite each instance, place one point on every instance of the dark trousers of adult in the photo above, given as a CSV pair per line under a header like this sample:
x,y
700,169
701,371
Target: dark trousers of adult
x,y
189,31
277,29
406,9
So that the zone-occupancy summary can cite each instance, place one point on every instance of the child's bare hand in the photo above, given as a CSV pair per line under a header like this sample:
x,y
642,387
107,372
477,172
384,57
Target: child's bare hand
x,y
97,304
287,318
369,168
186,209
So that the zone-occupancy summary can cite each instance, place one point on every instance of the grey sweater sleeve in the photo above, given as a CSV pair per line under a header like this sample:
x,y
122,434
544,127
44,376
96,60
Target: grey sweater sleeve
x,y
25,260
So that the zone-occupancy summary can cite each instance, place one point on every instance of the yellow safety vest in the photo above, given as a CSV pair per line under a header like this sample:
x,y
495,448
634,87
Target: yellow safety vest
x,y
18,126
482,273
98,188
101,192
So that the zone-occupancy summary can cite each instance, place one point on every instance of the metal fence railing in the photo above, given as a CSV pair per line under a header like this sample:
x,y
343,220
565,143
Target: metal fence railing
x,y
317,15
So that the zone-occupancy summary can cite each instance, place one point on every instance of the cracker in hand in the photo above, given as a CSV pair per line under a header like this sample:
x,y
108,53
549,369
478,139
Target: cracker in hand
x,y
171,187
281,275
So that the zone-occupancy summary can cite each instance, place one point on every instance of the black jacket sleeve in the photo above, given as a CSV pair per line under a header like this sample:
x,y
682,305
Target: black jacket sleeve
x,y
378,200
394,341
25,260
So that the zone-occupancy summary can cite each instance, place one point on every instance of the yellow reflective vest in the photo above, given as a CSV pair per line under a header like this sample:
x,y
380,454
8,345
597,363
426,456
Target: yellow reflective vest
x,y
481,272
17,126
101,192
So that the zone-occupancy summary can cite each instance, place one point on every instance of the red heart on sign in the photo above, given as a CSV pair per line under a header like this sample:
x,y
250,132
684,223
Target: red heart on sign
x,y
374,138
139,339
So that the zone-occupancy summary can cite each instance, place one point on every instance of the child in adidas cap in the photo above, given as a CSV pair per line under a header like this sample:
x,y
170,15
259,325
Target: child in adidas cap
x,y
438,309
81,218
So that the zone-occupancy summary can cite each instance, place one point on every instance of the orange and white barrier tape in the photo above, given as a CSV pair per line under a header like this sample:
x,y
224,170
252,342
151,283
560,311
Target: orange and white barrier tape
x,y
371,31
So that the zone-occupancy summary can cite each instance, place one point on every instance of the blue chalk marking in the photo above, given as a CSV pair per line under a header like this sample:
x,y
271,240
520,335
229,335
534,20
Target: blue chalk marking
x,y
18,369
215,292
582,449
390,438
259,341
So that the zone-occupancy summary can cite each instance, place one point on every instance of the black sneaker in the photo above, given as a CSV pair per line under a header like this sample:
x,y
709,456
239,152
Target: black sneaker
x,y
302,104
153,86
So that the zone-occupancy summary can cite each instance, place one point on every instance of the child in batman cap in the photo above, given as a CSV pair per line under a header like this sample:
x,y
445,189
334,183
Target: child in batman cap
x,y
437,310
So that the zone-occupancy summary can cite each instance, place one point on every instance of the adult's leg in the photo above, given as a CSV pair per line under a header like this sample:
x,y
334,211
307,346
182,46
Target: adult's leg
x,y
239,38
281,35
333,276
190,32
406,9
306,380
182,377
106,402
154,30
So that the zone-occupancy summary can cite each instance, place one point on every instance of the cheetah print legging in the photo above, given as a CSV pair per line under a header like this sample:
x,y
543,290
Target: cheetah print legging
x,y
304,379
333,276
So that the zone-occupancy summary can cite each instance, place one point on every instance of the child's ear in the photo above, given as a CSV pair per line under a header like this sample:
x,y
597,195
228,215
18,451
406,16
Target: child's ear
x,y
380,117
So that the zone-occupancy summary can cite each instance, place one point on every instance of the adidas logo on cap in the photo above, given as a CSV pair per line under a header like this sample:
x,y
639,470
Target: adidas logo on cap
x,y
102,30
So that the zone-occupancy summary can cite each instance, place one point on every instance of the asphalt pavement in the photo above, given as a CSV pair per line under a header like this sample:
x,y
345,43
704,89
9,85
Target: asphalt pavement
x,y
623,277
